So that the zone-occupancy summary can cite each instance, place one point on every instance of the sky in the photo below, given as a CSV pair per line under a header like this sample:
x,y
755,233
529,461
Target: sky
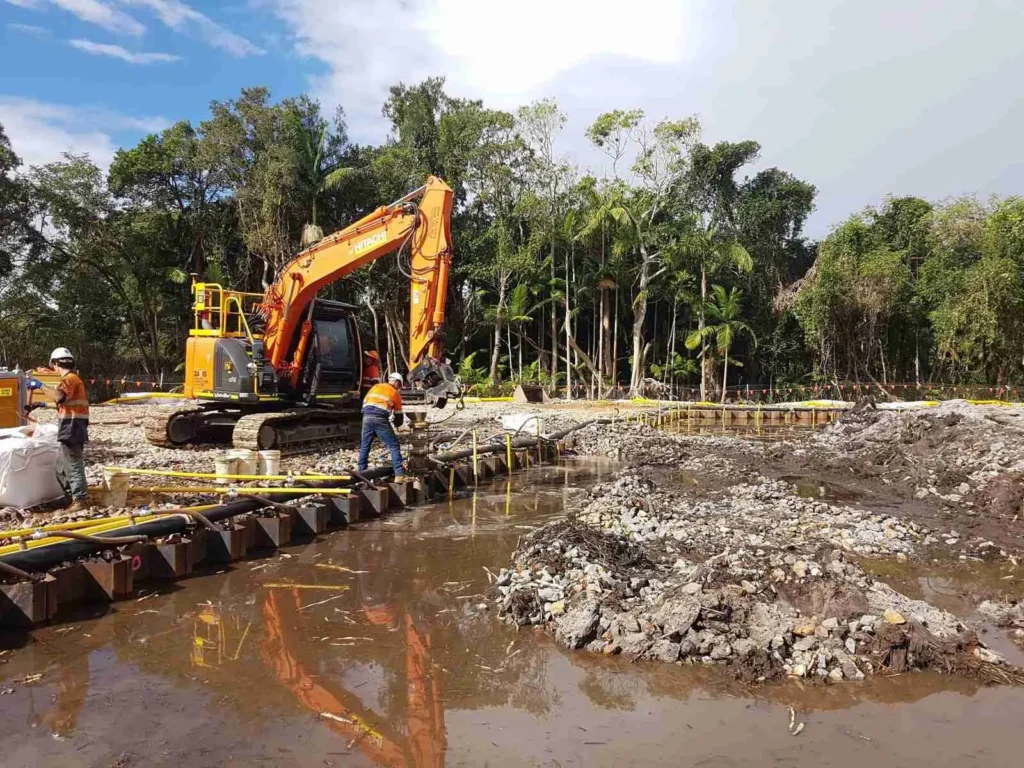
x,y
862,98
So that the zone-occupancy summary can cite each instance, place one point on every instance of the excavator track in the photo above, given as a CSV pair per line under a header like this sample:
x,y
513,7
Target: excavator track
x,y
159,425
293,431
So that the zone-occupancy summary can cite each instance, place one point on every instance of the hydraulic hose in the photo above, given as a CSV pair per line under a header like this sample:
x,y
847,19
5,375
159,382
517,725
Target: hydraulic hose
x,y
103,541
12,571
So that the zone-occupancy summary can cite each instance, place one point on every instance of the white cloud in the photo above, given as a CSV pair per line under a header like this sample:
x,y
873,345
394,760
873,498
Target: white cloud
x,y
182,17
103,15
505,53
41,131
117,52
859,97
26,3
29,29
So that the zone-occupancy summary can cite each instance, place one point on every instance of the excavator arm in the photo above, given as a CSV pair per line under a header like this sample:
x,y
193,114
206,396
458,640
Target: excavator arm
x,y
421,220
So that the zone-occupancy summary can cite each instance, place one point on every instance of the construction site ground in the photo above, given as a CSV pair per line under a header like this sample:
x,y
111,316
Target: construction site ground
x,y
668,593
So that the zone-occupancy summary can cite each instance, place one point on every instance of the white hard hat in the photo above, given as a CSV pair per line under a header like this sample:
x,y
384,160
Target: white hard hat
x,y
61,353
396,376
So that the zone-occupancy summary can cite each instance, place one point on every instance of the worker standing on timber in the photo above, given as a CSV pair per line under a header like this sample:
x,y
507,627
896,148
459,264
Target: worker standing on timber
x,y
381,405
72,428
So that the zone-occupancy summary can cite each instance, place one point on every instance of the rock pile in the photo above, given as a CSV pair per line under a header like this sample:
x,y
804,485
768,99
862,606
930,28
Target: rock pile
x,y
758,579
949,452
642,445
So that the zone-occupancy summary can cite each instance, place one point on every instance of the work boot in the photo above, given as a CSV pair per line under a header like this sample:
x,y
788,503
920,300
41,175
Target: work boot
x,y
78,505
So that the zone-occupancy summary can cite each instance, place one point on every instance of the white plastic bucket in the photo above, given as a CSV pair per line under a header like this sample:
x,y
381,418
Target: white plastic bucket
x,y
248,461
116,486
270,462
225,465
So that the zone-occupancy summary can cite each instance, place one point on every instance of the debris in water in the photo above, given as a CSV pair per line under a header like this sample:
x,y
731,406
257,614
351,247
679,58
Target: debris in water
x,y
336,718
337,568
321,602
288,585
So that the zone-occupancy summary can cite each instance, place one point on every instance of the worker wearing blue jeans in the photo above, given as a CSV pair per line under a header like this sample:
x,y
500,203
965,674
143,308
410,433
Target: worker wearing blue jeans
x,y
382,401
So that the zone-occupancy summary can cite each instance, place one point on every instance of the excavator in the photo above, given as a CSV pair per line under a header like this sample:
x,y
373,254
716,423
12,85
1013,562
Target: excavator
x,y
285,369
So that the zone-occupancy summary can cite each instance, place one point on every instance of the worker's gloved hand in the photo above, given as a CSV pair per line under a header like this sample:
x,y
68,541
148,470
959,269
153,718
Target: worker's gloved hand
x,y
34,383
398,418
34,406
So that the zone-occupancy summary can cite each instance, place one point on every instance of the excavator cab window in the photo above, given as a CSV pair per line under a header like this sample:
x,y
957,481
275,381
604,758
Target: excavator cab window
x,y
334,344
334,351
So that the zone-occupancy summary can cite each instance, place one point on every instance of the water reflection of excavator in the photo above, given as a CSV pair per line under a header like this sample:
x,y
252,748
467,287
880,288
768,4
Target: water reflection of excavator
x,y
423,744
271,370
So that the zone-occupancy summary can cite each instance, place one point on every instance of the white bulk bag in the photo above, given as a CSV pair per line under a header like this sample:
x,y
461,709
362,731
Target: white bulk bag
x,y
28,467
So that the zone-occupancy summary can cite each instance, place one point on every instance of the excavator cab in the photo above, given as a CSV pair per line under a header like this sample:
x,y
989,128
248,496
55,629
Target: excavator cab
x,y
333,367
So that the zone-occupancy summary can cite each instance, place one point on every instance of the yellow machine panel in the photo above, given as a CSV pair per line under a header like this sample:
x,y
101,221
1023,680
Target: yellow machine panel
x,y
199,364
12,399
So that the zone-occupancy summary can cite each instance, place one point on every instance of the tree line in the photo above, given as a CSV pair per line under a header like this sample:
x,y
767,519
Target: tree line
x,y
677,267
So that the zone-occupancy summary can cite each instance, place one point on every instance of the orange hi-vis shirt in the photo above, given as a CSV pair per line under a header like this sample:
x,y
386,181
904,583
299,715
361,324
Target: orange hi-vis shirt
x,y
383,397
75,403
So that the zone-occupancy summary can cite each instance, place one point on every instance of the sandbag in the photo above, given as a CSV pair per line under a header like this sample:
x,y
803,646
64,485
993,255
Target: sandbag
x,y
28,467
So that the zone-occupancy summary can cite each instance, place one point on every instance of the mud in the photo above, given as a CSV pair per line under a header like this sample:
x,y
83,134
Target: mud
x,y
395,659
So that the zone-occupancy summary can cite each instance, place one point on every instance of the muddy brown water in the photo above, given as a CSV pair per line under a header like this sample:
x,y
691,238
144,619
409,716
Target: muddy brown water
x,y
369,647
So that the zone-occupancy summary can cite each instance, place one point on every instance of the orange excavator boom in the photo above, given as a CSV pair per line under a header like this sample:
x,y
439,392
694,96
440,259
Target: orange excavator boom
x,y
421,220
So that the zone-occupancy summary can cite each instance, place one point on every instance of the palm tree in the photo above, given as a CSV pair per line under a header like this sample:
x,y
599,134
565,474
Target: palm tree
x,y
316,176
723,313
712,251
518,313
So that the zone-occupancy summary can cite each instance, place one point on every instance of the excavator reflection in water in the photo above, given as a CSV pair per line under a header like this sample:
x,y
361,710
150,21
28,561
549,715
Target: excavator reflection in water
x,y
218,639
424,742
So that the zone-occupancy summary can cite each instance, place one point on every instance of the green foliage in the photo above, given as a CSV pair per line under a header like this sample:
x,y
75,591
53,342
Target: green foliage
x,y
469,375
558,276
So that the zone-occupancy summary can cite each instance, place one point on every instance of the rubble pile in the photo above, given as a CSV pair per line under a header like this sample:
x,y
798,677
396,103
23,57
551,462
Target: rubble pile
x,y
642,445
756,578
954,452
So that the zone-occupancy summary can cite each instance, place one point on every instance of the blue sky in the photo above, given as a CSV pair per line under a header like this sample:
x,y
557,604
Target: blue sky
x,y
861,97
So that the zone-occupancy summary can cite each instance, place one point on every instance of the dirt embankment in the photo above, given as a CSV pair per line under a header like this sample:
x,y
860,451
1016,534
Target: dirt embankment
x,y
965,462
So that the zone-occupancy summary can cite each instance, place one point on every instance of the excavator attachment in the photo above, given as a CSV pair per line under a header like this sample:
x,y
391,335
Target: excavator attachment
x,y
436,381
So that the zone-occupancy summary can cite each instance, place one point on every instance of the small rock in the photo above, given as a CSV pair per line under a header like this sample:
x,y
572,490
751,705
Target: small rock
x,y
851,672
805,644
799,670
558,608
986,655
721,650
549,594
800,568
893,617
743,647
665,650
805,628
693,588
836,675
830,624
851,645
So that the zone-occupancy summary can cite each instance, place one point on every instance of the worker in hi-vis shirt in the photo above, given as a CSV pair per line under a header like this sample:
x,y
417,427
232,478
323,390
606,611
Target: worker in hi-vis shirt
x,y
382,404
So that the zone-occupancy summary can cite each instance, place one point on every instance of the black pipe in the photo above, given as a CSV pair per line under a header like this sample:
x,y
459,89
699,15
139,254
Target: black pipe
x,y
43,558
